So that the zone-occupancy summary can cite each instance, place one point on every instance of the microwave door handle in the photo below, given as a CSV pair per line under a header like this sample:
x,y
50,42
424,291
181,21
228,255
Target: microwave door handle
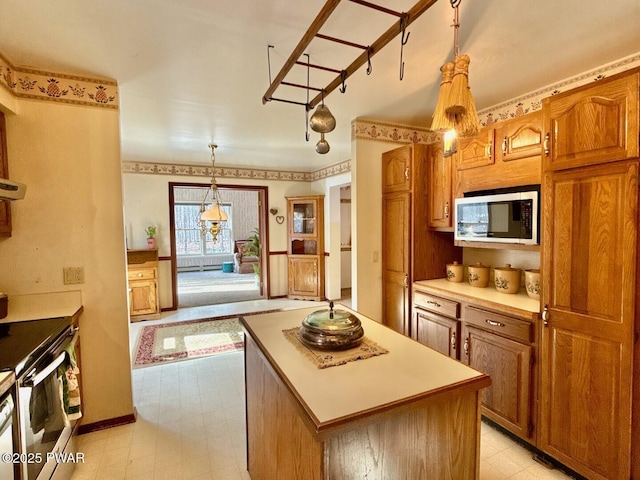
x,y
33,380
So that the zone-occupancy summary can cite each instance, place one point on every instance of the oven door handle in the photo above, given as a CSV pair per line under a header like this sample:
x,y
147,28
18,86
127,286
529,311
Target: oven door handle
x,y
32,380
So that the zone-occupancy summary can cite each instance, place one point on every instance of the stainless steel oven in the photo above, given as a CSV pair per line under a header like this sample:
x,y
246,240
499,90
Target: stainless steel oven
x,y
45,430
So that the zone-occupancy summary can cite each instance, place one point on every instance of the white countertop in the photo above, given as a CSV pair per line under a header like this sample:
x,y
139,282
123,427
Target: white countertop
x,y
519,301
410,369
37,306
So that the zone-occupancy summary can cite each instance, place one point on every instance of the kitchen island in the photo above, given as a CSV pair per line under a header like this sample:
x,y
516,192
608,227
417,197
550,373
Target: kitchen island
x,y
409,413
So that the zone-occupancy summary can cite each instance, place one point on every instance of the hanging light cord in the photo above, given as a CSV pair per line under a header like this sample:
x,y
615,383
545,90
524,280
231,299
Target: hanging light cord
x,y
456,25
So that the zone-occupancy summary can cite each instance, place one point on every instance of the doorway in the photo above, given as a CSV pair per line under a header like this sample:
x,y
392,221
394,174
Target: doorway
x,y
205,272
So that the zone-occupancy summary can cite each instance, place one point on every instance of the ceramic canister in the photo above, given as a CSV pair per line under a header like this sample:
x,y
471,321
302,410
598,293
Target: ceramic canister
x,y
455,272
532,283
507,279
478,275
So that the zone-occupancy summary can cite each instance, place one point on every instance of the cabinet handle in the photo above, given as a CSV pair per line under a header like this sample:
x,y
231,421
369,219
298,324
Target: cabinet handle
x,y
465,347
504,146
490,149
446,210
493,323
431,302
406,174
453,341
405,281
139,274
545,144
545,316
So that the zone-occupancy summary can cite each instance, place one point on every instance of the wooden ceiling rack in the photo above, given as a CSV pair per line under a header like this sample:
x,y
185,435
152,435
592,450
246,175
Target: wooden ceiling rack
x,y
404,20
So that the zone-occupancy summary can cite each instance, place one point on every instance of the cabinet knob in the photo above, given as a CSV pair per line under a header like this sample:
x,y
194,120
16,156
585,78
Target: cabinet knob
x,y
465,347
490,150
139,274
446,210
453,341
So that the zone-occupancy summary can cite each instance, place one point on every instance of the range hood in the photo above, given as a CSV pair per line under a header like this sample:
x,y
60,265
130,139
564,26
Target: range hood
x,y
10,190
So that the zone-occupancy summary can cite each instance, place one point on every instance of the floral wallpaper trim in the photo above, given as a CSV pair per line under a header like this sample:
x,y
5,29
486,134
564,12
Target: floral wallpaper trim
x,y
363,129
58,87
222,172
532,101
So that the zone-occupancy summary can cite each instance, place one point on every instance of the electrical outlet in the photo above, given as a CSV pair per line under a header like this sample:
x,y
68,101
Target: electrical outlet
x,y
73,275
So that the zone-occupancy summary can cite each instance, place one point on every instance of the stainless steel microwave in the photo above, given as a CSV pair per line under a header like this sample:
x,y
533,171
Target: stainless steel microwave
x,y
510,217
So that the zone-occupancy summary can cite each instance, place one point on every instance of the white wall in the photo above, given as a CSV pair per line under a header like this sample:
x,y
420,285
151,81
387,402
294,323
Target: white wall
x,y
146,201
69,157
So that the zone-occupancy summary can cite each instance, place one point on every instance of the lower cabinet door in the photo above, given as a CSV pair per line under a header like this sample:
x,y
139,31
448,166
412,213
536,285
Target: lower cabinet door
x,y
508,400
438,332
303,277
143,297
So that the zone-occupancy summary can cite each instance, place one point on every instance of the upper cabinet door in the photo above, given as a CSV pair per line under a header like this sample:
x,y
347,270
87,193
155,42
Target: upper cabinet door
x,y
5,207
476,151
519,138
396,170
592,124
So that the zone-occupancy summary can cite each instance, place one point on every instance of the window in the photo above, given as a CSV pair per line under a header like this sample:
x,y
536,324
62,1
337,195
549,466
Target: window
x,y
189,237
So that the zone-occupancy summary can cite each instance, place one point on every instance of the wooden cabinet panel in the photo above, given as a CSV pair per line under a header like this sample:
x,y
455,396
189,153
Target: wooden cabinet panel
x,y
504,325
440,190
519,138
476,151
303,276
438,332
143,297
508,400
592,124
439,305
589,292
5,206
396,170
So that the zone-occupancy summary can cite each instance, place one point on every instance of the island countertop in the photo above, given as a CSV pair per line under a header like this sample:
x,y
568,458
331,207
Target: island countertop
x,y
409,372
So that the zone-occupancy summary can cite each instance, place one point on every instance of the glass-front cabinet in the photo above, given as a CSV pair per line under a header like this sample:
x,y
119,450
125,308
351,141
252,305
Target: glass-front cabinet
x,y
305,247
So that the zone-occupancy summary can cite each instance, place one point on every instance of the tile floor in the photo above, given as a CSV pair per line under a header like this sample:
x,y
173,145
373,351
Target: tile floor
x,y
191,421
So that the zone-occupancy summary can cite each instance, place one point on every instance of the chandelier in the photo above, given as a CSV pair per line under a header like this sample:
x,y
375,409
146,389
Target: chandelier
x,y
214,214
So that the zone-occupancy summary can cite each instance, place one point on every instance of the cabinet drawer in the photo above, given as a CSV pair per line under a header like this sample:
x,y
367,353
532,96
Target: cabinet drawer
x,y
142,274
500,324
440,305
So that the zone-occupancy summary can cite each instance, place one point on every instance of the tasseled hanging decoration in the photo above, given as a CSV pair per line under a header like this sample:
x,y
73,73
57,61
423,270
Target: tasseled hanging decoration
x,y
441,122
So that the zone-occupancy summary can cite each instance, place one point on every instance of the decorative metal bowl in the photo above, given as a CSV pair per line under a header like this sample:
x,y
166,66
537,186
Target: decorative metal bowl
x,y
331,329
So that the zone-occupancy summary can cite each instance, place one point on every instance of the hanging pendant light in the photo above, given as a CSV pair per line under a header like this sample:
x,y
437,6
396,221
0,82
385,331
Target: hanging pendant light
x,y
322,121
322,146
214,214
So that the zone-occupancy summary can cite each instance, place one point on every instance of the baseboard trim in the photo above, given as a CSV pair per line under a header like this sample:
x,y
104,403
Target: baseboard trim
x,y
109,423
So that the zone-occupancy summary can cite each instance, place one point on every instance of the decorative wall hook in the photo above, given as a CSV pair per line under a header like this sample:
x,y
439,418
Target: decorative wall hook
x,y
343,77
273,211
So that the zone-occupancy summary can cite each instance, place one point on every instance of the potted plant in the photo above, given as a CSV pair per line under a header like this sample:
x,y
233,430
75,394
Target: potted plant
x,y
252,247
151,236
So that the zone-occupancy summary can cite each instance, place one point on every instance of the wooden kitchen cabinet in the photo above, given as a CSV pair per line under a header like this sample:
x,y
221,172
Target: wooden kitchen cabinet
x,y
592,124
142,276
502,347
410,250
436,323
507,154
305,247
5,206
441,190
589,357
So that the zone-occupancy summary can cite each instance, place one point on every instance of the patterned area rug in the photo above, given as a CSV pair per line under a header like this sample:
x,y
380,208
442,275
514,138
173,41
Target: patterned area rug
x,y
178,341
212,287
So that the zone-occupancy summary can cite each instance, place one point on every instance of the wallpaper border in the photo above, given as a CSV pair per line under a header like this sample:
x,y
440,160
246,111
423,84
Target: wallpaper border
x,y
58,87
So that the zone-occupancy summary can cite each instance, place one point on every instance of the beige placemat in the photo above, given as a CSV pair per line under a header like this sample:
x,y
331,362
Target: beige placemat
x,y
326,359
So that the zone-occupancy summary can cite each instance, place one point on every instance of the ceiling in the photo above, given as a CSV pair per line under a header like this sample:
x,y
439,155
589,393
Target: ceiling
x,y
191,72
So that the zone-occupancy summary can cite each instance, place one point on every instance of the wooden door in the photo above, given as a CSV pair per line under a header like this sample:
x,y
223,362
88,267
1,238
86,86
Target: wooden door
x,y
143,297
440,189
396,259
5,206
438,332
588,292
508,400
476,151
593,124
519,139
396,170
303,276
